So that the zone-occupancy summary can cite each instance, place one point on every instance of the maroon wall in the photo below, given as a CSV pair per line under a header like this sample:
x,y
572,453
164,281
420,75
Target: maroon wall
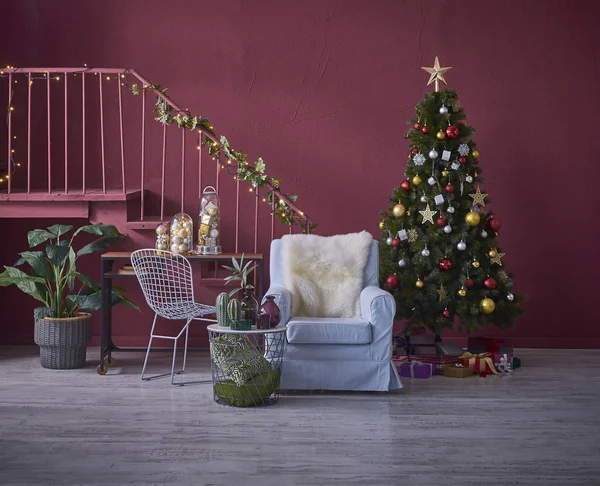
x,y
322,89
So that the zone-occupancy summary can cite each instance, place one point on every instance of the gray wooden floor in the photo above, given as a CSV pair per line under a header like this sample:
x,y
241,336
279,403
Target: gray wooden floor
x,y
540,426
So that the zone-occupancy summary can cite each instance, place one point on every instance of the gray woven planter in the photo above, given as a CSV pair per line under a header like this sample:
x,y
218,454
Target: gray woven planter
x,y
63,342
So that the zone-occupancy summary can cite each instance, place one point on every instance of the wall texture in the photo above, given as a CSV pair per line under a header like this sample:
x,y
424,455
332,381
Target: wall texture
x,y
322,89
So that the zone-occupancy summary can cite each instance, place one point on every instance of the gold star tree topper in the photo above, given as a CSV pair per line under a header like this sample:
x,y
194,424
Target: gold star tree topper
x,y
479,197
428,215
437,73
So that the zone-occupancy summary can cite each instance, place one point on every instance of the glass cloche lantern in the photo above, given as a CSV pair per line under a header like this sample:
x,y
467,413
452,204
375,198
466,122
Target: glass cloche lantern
x,y
182,234
208,223
162,237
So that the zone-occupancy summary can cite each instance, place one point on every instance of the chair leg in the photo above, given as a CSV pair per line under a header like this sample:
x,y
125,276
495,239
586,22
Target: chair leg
x,y
173,363
149,346
187,332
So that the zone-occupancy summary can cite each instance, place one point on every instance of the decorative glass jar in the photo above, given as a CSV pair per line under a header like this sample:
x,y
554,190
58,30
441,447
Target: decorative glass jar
x,y
182,234
249,307
162,237
208,223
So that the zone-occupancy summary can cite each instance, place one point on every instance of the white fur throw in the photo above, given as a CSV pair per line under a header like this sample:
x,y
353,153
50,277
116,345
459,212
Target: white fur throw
x,y
325,273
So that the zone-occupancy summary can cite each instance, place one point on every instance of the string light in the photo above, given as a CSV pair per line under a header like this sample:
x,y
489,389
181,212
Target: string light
x,y
12,108
108,78
57,78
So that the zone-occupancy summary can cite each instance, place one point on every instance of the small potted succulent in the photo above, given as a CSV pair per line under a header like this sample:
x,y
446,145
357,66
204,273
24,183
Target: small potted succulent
x,y
248,304
63,325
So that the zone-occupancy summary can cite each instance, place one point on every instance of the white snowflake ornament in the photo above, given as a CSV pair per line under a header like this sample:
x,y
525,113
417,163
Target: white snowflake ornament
x,y
463,149
419,159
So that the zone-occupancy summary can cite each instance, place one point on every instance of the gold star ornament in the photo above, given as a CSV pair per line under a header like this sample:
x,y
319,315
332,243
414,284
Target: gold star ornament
x,y
497,259
442,293
478,197
428,215
436,73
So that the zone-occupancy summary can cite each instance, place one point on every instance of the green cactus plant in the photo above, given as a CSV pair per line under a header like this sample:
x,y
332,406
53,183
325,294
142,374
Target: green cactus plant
x,y
234,309
222,314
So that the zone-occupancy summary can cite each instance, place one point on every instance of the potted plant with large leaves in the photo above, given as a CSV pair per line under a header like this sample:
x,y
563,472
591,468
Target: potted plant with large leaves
x,y
63,325
241,274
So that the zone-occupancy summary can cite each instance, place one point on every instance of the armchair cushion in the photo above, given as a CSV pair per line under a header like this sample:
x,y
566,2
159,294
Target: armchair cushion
x,y
327,330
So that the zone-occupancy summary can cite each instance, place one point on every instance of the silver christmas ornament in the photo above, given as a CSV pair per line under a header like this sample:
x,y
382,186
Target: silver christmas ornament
x,y
425,252
447,229
484,234
450,209
402,263
389,240
433,154
462,246
423,199
469,179
510,297
443,110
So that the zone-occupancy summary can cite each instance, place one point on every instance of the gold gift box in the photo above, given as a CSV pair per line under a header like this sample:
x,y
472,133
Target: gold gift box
x,y
457,371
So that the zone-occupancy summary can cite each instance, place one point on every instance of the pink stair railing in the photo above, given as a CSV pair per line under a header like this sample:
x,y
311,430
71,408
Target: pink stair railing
x,y
72,134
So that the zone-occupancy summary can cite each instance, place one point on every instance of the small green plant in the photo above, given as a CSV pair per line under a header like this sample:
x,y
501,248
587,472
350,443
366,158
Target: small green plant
x,y
241,273
54,279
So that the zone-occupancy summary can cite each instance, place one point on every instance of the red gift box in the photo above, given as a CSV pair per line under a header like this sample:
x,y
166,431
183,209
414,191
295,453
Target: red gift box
x,y
489,345
481,362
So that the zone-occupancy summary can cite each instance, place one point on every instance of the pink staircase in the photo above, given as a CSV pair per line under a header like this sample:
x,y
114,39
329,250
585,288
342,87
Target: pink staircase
x,y
79,144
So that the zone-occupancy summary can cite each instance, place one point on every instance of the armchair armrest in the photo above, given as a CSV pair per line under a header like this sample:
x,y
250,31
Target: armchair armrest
x,y
379,307
283,299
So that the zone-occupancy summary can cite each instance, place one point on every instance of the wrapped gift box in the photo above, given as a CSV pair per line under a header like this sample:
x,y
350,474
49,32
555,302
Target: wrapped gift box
x,y
417,370
457,371
477,345
481,362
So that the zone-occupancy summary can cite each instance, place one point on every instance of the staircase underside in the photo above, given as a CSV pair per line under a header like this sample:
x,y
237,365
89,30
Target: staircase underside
x,y
74,204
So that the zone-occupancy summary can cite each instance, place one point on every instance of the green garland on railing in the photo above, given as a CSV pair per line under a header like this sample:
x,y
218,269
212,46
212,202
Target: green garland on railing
x,y
245,171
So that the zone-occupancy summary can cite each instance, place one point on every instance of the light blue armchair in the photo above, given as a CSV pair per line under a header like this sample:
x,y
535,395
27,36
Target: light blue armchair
x,y
324,353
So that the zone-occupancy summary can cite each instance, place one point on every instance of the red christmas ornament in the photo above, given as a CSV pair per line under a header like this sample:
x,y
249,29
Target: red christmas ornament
x,y
441,222
405,185
445,265
489,283
449,188
417,126
462,160
425,130
393,282
451,132
469,283
446,313
494,224
414,150
396,242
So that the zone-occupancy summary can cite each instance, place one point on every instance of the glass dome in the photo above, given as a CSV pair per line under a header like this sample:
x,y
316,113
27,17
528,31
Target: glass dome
x,y
181,234
208,223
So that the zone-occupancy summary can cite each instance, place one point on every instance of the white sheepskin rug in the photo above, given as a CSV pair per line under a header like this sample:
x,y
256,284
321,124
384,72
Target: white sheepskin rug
x,y
325,273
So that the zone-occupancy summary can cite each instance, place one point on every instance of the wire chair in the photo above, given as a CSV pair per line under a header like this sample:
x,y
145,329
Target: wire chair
x,y
166,280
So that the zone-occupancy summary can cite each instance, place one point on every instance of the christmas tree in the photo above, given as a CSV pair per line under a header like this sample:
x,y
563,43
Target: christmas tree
x,y
439,254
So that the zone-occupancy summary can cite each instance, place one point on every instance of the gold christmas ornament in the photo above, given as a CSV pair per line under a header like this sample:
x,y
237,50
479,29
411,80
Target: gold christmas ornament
x,y
445,173
478,197
487,306
419,284
462,292
416,180
472,218
381,225
475,153
428,215
475,264
440,135
398,210
497,258
412,235
437,73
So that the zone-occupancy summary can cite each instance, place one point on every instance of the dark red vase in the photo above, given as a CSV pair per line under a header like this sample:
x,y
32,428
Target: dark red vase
x,y
271,309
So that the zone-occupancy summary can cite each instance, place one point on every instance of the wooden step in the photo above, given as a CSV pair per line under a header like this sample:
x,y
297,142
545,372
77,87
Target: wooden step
x,y
73,195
